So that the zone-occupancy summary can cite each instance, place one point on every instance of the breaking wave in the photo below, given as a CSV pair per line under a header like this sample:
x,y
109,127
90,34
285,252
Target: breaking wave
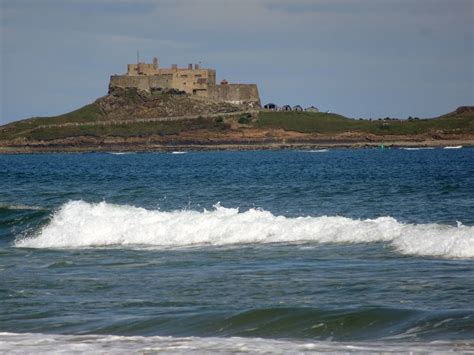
x,y
418,148
78,224
38,343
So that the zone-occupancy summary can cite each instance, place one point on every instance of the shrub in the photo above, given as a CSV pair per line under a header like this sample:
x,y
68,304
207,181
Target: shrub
x,y
245,119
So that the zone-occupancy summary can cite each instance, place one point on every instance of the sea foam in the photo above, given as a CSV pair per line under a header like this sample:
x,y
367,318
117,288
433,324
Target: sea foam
x,y
37,343
78,224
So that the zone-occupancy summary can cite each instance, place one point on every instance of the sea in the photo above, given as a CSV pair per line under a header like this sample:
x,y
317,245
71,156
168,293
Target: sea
x,y
331,250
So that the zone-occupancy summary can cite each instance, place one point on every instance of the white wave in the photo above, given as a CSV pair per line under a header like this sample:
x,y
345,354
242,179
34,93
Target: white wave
x,y
178,152
121,153
22,207
316,151
419,148
78,224
36,343
453,147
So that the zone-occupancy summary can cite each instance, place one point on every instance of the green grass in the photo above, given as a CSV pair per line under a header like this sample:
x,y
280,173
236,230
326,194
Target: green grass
x,y
88,113
305,122
328,123
139,129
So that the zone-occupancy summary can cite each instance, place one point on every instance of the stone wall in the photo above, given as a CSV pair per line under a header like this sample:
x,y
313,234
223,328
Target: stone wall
x,y
143,82
193,80
161,81
196,82
235,93
141,69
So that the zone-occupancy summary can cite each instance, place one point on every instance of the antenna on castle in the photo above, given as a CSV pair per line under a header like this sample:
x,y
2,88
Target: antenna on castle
x,y
138,56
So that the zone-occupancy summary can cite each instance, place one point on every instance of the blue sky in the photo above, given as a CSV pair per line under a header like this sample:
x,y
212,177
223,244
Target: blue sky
x,y
360,58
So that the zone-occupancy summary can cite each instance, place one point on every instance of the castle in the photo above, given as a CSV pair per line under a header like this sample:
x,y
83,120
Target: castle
x,y
193,80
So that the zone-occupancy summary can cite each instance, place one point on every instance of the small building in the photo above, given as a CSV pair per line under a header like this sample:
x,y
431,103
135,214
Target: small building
x,y
312,109
297,108
286,108
270,106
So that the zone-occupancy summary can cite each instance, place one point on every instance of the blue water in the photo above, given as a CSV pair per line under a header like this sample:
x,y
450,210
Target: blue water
x,y
86,268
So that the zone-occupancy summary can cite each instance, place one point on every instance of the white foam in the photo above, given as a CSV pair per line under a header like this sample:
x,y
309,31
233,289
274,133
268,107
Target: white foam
x,y
178,152
22,207
453,147
419,148
78,224
31,343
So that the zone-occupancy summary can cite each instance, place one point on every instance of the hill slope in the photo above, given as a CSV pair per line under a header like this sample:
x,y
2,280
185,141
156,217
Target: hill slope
x,y
128,119
306,122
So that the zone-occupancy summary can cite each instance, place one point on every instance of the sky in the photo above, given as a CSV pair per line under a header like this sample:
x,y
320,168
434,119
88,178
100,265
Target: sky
x,y
359,58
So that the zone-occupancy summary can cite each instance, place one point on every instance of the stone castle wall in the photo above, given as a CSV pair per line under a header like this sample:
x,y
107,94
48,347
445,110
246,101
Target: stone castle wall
x,y
235,93
142,82
192,80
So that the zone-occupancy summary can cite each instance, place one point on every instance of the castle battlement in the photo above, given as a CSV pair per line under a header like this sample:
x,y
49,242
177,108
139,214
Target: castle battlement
x,y
194,80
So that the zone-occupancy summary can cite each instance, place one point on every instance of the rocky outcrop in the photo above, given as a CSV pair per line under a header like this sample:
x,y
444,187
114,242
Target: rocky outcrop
x,y
129,103
463,109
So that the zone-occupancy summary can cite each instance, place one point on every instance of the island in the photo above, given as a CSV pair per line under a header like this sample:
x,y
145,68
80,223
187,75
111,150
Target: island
x,y
150,108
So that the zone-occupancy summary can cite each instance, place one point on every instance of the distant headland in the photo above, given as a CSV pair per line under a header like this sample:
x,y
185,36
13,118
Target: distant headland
x,y
150,108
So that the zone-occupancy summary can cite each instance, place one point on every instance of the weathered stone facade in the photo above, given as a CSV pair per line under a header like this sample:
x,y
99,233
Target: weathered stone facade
x,y
193,80
234,93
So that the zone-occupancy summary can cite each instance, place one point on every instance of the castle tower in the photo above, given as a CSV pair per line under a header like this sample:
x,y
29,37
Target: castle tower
x,y
155,63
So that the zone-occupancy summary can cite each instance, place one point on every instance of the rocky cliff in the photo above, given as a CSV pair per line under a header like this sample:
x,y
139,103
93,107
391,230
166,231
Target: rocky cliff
x,y
130,103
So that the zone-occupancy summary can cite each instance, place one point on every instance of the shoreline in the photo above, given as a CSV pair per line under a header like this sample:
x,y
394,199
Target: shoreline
x,y
144,148
88,129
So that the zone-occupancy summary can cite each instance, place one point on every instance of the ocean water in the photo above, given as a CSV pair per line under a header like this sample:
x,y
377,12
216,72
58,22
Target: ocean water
x,y
266,251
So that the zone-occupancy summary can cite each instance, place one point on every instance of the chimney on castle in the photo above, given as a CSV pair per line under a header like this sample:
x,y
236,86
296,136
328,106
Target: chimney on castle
x,y
155,63
197,66
190,66
174,66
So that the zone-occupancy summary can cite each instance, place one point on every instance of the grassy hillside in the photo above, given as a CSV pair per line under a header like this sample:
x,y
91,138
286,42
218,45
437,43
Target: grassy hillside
x,y
23,128
328,123
138,129
39,128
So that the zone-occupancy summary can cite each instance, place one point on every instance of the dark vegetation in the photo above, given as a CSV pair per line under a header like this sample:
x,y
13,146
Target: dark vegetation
x,y
245,119
329,123
35,131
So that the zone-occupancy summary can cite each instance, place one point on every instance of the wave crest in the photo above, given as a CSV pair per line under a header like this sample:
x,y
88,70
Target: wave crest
x,y
78,224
